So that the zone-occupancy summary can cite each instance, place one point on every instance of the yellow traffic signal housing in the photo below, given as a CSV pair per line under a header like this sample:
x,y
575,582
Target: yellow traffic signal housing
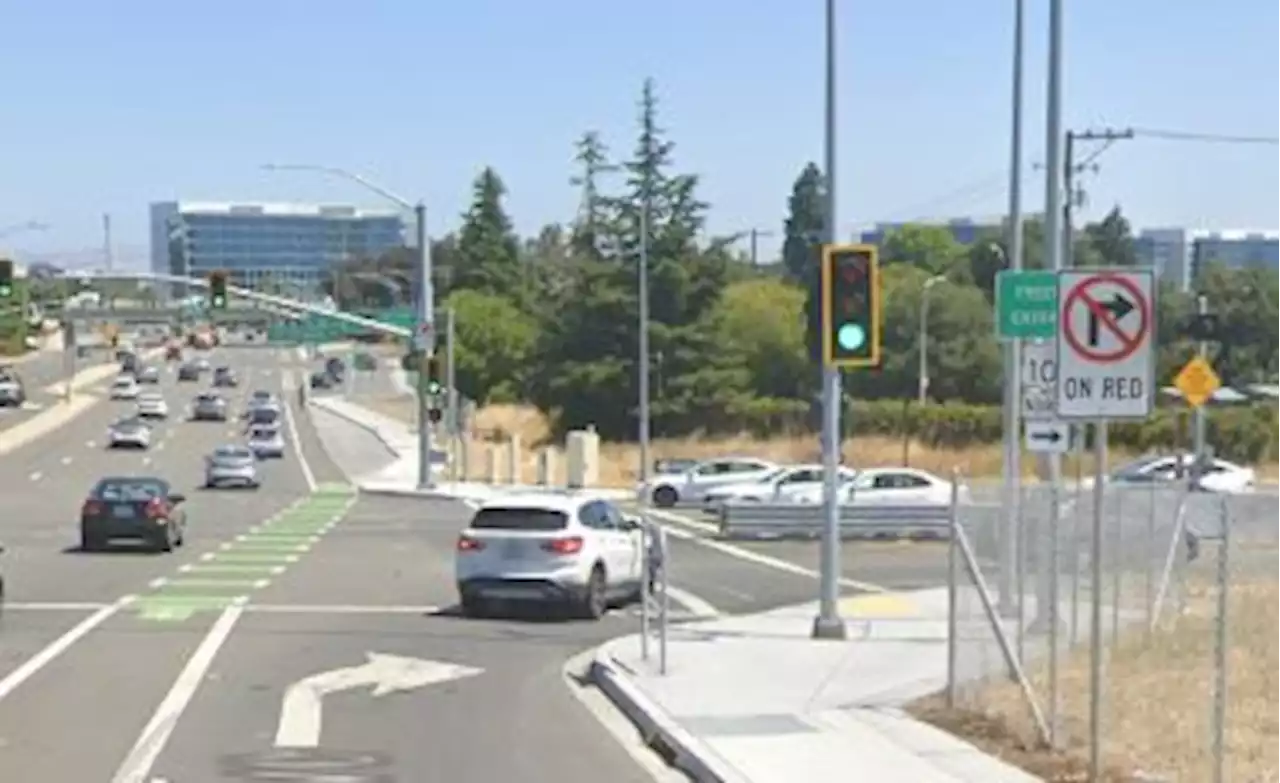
x,y
851,306
218,290
6,278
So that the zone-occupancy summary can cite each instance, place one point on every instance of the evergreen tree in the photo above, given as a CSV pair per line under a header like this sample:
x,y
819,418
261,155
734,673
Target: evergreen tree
x,y
803,229
488,256
592,159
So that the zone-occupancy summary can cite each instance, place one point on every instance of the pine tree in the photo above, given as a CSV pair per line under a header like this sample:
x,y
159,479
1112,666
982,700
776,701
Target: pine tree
x,y
804,227
592,159
488,250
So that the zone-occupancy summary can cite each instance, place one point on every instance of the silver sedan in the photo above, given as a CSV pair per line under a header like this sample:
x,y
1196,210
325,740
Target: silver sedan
x,y
233,466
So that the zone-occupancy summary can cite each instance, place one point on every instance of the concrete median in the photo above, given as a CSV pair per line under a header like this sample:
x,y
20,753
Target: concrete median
x,y
45,422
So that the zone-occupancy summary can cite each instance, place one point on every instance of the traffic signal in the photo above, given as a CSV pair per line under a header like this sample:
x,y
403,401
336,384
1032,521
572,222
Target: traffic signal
x,y
6,278
1203,328
850,291
433,375
218,290
434,414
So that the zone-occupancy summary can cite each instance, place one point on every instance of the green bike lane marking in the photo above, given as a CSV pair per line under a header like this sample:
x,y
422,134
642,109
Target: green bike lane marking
x,y
247,563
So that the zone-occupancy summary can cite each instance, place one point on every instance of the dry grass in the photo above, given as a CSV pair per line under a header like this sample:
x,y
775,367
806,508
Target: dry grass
x,y
1157,716
619,462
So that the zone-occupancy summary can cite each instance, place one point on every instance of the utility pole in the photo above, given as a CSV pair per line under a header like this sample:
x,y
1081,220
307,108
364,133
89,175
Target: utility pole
x,y
755,235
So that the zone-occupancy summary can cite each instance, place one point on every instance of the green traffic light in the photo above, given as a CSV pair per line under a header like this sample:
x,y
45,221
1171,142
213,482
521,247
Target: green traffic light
x,y
851,336
5,291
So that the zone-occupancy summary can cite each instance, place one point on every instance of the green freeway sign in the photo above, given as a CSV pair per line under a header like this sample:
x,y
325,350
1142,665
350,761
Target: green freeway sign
x,y
1026,305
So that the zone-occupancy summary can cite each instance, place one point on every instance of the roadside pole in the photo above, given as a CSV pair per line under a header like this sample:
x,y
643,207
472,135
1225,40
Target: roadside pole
x,y
425,334
451,392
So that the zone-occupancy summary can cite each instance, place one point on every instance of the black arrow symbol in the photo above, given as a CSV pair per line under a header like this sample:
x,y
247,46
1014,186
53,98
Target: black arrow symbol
x,y
1119,307
1052,436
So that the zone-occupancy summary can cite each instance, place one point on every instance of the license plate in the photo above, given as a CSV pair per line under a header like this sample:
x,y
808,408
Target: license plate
x,y
511,550
122,512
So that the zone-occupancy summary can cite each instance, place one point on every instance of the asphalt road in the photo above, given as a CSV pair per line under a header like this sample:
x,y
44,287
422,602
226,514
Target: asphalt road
x,y
132,667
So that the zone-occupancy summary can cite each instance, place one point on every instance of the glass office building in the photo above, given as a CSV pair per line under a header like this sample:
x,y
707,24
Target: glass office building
x,y
260,244
1177,253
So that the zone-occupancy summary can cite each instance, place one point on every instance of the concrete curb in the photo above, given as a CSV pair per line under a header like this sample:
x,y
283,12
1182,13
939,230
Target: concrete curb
x,y
658,729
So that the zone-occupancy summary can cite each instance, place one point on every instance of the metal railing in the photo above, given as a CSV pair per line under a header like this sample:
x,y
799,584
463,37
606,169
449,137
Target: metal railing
x,y
780,520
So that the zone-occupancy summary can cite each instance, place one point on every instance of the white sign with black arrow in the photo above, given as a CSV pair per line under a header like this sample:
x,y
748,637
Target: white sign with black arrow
x,y
1048,437
299,725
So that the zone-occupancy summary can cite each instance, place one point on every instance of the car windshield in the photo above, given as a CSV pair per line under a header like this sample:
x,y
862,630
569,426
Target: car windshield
x,y
151,397
1137,469
264,416
261,396
130,490
124,381
263,433
537,519
130,424
232,452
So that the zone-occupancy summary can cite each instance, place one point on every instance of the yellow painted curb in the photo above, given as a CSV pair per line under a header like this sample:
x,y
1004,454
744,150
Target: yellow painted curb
x,y
880,605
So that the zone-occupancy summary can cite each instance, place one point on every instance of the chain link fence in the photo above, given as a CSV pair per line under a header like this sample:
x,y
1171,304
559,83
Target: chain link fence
x,y
1186,619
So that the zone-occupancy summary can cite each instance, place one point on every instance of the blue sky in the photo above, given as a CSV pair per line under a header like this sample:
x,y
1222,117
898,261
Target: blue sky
x,y
111,105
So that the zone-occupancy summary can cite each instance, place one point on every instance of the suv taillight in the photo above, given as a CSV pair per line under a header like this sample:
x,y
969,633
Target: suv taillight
x,y
156,509
469,544
564,546
92,508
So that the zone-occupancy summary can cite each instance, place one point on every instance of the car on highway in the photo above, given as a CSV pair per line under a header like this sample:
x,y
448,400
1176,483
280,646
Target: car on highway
x,y
692,485
125,387
775,487
261,398
552,549
264,418
13,392
208,407
189,372
128,361
231,466
152,405
148,375
891,486
266,442
321,380
335,368
1216,475
201,363
225,378
145,509
130,433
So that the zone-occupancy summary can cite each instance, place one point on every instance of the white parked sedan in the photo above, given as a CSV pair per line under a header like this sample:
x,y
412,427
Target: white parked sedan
x,y
690,486
1221,475
778,486
124,388
892,486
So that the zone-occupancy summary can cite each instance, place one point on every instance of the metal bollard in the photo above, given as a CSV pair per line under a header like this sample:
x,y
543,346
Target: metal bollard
x,y
646,588
664,608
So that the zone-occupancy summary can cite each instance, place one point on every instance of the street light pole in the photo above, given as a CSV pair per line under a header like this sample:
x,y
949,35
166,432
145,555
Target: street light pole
x,y
424,335
828,624
922,388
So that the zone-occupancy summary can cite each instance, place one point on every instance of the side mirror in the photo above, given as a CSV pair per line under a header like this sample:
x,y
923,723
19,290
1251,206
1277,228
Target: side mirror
x,y
177,497
631,523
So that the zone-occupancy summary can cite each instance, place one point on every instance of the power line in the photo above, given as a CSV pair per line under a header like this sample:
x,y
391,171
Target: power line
x,y
1211,138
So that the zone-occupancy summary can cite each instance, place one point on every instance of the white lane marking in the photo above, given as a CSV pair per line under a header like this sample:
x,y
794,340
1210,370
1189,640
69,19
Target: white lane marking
x,y
58,646
91,444
160,446
35,475
146,460
157,583
54,606
753,557
340,609
693,603
137,765
66,460
207,556
307,475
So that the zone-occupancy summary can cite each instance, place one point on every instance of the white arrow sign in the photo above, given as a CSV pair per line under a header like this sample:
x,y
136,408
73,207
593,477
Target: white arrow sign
x,y
299,725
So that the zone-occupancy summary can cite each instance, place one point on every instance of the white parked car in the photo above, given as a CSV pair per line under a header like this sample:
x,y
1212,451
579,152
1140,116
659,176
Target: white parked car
x,y
692,485
549,548
129,434
892,486
1221,476
152,405
776,487
125,387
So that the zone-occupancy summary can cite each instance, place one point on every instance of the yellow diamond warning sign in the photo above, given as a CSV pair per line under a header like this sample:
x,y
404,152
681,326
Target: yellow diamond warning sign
x,y
1197,381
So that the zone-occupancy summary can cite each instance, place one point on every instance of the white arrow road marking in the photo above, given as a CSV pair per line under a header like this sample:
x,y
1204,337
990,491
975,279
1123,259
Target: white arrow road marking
x,y
299,725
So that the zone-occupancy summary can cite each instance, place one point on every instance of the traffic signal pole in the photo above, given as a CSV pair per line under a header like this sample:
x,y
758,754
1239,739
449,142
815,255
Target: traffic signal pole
x,y
828,624
425,336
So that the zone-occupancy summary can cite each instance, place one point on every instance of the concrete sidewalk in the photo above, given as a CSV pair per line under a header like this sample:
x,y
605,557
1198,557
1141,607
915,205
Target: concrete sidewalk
x,y
753,699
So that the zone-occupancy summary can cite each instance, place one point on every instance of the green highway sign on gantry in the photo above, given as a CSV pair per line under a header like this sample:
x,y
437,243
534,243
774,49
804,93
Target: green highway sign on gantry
x,y
1026,305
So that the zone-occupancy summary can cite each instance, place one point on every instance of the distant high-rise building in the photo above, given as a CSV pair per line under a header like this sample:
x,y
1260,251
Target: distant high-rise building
x,y
1177,253
965,231
285,243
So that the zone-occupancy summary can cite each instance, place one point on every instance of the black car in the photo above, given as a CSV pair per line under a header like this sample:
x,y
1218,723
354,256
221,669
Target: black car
x,y
188,372
336,368
12,390
321,380
128,362
145,509
225,377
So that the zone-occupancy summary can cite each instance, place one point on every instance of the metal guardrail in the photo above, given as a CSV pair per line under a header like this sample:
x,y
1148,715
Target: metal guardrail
x,y
777,520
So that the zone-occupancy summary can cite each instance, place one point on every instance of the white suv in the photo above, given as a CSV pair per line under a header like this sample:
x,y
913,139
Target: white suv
x,y
553,548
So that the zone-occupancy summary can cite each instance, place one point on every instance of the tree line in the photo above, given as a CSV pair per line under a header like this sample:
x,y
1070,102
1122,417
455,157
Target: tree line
x,y
553,320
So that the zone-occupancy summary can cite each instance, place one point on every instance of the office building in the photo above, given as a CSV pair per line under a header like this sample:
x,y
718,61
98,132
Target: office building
x,y
1177,253
965,231
286,244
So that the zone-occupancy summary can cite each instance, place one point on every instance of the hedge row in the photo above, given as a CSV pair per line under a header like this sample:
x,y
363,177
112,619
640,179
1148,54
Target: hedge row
x,y
1243,433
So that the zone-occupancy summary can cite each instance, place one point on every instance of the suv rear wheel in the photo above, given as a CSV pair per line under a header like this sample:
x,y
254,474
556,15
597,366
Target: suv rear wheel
x,y
595,600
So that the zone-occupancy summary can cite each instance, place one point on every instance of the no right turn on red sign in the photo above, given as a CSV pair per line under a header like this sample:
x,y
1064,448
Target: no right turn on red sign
x,y
1105,345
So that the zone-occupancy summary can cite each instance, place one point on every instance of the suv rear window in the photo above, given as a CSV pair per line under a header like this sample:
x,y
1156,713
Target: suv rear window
x,y
535,519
